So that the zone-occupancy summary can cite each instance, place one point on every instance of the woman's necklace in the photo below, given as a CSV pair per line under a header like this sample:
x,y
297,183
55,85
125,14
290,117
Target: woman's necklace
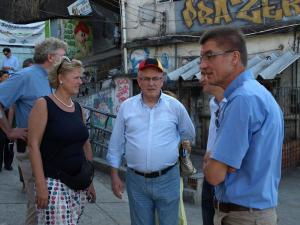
x,y
69,106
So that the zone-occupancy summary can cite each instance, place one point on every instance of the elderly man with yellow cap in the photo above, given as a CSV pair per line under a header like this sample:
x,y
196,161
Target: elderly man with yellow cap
x,y
147,131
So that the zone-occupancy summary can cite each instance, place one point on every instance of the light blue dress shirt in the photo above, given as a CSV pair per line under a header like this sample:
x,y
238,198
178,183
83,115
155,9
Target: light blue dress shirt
x,y
23,89
149,137
250,139
13,62
214,106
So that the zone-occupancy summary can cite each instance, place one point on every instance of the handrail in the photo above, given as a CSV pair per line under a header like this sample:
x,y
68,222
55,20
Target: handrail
x,y
101,112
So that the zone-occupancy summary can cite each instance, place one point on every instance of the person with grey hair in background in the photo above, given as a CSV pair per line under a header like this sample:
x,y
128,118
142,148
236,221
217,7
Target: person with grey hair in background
x,y
23,89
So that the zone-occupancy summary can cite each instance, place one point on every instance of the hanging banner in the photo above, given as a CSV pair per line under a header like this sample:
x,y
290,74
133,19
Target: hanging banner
x,y
19,34
80,8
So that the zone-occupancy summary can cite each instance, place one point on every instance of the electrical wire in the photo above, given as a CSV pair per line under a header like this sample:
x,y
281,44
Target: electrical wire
x,y
139,6
230,13
138,11
148,14
155,29
111,4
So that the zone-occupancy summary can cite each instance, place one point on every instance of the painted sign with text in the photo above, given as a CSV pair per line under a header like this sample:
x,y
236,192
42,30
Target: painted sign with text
x,y
20,34
196,15
122,92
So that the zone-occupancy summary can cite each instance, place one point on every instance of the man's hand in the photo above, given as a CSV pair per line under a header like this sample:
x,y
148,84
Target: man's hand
x,y
117,185
17,133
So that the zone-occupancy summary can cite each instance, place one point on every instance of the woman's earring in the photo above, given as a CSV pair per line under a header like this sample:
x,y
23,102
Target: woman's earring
x,y
60,82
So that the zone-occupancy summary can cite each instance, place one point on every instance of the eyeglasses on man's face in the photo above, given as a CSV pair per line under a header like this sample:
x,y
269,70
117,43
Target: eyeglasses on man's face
x,y
154,79
208,56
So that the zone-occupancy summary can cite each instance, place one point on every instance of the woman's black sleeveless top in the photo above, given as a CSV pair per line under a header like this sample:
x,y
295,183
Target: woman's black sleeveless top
x,y
63,140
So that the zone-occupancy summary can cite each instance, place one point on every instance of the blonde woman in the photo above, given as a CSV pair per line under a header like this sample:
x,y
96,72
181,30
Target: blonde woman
x,y
58,141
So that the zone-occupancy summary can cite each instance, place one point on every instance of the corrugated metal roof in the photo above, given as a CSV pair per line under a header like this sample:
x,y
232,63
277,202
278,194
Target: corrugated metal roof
x,y
268,66
186,71
279,65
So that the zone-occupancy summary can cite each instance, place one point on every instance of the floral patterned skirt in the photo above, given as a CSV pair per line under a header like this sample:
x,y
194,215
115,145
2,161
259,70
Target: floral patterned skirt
x,y
65,206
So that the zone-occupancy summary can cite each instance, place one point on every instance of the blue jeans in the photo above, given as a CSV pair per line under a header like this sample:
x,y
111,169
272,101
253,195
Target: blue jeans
x,y
207,203
146,195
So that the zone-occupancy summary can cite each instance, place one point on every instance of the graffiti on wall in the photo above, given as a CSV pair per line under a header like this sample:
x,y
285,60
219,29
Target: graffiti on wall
x,y
122,92
197,14
137,55
103,102
78,35
164,59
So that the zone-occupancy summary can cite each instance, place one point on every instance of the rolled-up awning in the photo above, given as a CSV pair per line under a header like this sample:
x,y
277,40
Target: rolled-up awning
x,y
268,66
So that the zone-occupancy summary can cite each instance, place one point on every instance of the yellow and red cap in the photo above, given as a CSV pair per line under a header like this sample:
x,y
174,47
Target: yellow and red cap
x,y
150,62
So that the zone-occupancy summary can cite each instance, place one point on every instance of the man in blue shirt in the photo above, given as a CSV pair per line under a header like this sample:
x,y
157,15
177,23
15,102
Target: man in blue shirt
x,y
10,63
23,89
245,160
148,130
216,103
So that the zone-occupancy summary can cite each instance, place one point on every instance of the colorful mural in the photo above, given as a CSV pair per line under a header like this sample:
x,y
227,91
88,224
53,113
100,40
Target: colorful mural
x,y
103,101
198,14
122,92
164,59
78,35
137,55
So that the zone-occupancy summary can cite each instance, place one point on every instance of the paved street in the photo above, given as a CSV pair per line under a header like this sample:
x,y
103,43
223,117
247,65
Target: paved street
x,y
108,210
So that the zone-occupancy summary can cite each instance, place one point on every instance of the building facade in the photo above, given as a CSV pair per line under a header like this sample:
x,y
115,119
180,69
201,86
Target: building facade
x,y
170,30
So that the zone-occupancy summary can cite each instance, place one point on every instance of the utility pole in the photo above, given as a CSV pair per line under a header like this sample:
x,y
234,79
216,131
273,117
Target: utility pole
x,y
124,37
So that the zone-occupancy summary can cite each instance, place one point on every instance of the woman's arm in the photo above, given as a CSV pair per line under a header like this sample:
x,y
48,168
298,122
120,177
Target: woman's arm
x,y
36,127
87,146
89,155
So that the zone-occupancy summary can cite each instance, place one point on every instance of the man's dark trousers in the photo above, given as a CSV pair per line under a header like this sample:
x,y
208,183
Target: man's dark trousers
x,y
6,151
208,210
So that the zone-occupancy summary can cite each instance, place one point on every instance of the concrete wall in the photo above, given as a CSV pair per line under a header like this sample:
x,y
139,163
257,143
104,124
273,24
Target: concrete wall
x,y
144,18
